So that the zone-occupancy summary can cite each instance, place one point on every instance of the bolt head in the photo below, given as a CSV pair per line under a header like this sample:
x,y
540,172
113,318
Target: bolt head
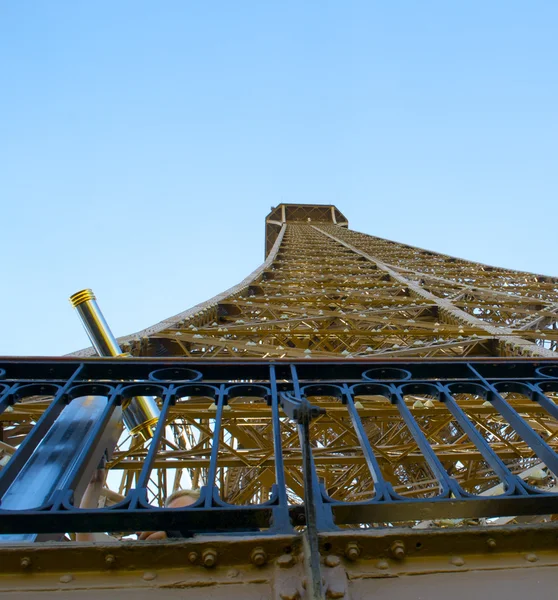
x,y
332,561
352,551
285,561
209,557
258,556
397,550
110,560
25,562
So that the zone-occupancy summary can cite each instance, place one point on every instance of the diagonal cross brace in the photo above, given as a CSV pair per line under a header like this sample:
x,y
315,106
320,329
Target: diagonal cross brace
x,y
504,334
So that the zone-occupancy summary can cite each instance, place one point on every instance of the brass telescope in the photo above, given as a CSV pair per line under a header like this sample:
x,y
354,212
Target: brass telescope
x,y
141,413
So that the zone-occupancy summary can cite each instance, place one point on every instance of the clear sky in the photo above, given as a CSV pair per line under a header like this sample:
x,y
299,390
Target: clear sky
x,y
142,143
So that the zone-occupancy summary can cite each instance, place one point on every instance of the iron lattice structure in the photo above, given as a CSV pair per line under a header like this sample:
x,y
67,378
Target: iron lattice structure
x,y
326,292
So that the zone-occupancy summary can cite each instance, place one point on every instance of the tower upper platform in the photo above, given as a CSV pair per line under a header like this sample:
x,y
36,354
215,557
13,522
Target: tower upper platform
x,y
289,213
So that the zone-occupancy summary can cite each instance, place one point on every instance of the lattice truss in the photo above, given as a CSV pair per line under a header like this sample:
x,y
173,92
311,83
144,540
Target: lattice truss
x,y
325,291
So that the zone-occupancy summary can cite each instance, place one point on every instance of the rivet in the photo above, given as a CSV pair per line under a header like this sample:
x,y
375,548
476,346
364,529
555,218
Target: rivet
x,y
192,557
531,557
352,551
25,562
491,543
149,576
336,589
289,593
209,557
110,560
457,561
258,556
397,550
66,578
331,560
382,564
285,561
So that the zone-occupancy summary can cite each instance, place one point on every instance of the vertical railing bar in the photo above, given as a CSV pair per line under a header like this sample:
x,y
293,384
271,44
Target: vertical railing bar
x,y
211,476
370,457
478,440
446,482
277,445
296,384
545,402
156,439
297,391
521,427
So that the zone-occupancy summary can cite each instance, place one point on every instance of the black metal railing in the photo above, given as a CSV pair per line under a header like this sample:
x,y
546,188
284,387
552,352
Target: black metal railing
x,y
57,450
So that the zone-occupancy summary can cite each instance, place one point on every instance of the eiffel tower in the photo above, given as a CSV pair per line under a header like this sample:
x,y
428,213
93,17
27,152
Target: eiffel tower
x,y
354,411
327,292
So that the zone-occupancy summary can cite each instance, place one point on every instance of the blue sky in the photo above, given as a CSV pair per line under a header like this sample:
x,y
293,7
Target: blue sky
x,y
142,143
